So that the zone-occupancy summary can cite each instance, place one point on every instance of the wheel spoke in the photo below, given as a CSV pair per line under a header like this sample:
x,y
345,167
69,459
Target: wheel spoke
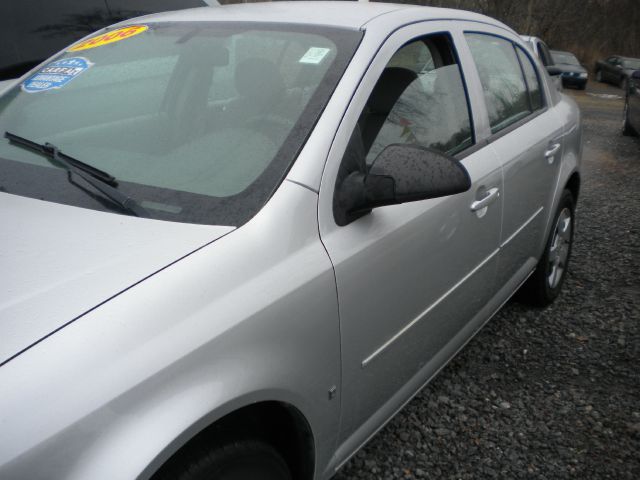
x,y
559,248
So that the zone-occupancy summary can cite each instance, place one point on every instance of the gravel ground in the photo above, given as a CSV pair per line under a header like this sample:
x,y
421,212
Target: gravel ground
x,y
544,394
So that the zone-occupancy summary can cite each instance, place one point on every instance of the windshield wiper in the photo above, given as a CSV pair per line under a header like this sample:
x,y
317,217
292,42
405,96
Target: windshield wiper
x,y
106,183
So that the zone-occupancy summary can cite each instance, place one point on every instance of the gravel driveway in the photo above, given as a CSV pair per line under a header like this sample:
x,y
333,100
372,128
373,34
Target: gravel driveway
x,y
549,393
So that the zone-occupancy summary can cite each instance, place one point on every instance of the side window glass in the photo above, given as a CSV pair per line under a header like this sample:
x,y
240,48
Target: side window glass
x,y
543,56
419,99
533,81
505,90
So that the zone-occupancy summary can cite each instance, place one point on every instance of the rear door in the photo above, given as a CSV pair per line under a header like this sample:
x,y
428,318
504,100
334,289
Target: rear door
x,y
610,70
526,135
411,278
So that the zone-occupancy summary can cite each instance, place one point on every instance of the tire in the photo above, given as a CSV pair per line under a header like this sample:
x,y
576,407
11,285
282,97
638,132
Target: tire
x,y
624,83
240,460
582,86
544,285
626,127
599,76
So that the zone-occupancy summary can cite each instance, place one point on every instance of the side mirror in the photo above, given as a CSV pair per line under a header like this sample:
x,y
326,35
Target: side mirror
x,y
400,174
636,75
553,70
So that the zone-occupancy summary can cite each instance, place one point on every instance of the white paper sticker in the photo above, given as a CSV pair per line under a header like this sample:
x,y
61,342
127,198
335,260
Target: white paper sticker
x,y
314,55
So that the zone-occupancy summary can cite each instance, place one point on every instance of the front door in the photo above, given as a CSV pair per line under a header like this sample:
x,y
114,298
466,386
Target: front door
x,y
410,277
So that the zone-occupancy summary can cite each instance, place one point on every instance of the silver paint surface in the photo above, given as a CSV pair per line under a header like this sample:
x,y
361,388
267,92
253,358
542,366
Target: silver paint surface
x,y
201,321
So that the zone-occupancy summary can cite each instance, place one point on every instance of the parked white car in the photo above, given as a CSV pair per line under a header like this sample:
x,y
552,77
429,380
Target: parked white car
x,y
237,240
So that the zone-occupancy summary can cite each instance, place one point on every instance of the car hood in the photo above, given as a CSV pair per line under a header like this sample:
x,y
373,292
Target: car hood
x,y
570,68
58,262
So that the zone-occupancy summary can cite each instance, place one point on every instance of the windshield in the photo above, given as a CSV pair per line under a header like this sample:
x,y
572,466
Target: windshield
x,y
631,64
198,122
565,58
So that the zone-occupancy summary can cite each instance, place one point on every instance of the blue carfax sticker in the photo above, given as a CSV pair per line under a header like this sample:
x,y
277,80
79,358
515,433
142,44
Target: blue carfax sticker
x,y
56,74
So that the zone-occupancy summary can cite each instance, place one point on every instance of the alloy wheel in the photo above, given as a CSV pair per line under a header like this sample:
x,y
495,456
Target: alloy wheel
x,y
559,249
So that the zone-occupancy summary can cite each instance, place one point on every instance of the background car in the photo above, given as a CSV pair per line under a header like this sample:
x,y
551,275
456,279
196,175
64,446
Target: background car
x,y
573,74
631,116
32,30
616,70
542,51
240,239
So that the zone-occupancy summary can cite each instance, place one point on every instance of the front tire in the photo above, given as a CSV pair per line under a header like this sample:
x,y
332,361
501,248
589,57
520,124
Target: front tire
x,y
240,460
544,285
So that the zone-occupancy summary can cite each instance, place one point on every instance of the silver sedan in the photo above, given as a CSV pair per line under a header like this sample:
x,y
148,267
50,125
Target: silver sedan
x,y
236,240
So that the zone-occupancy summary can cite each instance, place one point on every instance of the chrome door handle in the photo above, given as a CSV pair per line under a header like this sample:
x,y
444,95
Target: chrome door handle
x,y
491,196
553,149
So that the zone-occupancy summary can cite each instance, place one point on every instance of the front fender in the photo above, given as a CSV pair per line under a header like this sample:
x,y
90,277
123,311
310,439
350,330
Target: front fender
x,y
252,317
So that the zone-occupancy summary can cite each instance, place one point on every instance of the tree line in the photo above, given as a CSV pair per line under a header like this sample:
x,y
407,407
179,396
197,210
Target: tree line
x,y
591,29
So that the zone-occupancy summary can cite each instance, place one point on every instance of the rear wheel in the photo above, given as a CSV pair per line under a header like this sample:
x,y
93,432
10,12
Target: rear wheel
x,y
240,460
544,285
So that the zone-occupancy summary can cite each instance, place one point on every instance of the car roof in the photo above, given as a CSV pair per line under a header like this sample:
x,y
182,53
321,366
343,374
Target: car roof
x,y
354,15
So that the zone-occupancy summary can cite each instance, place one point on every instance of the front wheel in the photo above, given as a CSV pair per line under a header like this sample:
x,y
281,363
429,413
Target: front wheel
x,y
240,460
544,285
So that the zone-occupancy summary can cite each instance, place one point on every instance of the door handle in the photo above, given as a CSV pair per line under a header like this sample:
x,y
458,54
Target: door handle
x,y
553,149
491,196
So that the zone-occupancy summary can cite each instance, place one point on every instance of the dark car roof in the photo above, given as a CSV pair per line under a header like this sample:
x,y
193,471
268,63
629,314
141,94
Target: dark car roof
x,y
33,30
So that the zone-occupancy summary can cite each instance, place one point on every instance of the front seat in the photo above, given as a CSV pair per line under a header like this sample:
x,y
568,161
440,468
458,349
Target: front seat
x,y
390,86
260,89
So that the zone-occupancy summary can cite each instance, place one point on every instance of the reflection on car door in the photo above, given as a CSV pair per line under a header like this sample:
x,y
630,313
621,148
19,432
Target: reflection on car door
x,y
410,277
527,137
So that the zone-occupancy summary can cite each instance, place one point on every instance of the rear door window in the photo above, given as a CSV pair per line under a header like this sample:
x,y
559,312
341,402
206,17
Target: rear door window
x,y
505,91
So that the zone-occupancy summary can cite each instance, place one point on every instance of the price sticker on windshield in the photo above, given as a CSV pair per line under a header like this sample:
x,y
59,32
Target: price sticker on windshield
x,y
56,74
109,37
314,55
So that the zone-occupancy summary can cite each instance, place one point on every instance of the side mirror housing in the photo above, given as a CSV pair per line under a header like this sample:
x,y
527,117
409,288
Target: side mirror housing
x,y
553,70
400,174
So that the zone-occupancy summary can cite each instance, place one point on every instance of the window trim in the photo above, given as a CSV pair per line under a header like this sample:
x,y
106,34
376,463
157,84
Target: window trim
x,y
517,47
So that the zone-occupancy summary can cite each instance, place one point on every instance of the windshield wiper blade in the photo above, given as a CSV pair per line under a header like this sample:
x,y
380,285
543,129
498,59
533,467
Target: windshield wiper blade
x,y
106,183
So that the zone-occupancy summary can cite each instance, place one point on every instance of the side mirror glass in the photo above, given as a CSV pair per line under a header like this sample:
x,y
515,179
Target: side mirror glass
x,y
400,174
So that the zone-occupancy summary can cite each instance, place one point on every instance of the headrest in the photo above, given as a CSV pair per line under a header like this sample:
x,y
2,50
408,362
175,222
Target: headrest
x,y
258,79
391,84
